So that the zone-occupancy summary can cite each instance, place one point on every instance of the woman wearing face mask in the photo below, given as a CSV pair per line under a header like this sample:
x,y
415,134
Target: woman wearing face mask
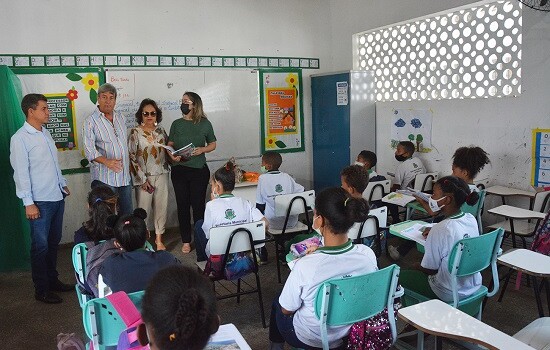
x,y
293,317
224,209
431,277
190,176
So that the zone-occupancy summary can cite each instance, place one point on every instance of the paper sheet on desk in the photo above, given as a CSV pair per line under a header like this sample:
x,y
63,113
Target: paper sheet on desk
x,y
227,337
412,192
415,232
398,199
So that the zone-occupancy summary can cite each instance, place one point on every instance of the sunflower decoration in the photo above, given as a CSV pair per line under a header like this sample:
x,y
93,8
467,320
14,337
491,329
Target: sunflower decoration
x,y
292,80
272,142
90,82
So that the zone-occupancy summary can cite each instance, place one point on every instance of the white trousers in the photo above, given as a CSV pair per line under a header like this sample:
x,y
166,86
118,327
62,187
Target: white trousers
x,y
156,203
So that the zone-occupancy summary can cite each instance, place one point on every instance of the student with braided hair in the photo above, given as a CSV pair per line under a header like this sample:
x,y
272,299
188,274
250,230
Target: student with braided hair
x,y
431,278
179,310
131,268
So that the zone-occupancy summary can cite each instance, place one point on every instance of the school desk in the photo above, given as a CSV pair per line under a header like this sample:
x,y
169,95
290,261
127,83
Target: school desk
x,y
441,319
514,213
534,265
396,230
246,190
504,192
227,337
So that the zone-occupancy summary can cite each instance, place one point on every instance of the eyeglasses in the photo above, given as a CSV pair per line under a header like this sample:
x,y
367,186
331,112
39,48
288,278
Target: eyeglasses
x,y
145,114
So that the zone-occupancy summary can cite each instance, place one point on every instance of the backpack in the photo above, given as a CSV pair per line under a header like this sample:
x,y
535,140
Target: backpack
x,y
373,333
541,242
131,316
69,341
237,266
95,257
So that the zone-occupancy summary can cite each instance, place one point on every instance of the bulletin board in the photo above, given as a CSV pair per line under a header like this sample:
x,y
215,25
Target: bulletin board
x,y
72,96
282,123
541,157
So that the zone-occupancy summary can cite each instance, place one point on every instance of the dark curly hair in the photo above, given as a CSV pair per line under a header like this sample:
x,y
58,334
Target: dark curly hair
x,y
130,230
472,159
459,189
147,102
356,176
180,306
339,209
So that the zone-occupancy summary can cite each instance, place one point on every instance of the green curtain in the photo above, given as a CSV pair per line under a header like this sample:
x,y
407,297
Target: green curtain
x,y
15,231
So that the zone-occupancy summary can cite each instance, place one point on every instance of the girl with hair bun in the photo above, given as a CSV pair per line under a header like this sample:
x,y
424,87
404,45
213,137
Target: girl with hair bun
x,y
179,310
223,209
431,277
132,267
293,317
102,203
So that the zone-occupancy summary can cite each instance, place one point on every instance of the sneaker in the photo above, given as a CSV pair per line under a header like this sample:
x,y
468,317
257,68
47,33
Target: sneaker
x,y
59,286
48,298
394,253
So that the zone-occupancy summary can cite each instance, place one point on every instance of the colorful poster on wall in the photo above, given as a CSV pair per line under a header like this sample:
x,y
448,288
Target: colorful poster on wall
x,y
541,158
281,110
412,125
72,96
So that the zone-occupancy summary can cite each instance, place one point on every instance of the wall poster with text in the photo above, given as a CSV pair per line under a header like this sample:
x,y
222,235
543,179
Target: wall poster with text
x,y
282,124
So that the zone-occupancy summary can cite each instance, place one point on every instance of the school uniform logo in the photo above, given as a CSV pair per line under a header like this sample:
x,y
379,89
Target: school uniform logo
x,y
230,214
278,188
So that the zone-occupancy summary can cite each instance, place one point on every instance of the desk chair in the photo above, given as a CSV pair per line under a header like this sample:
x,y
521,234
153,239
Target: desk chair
x,y
476,209
102,323
79,264
469,256
525,228
376,190
287,205
348,300
536,334
235,239
371,227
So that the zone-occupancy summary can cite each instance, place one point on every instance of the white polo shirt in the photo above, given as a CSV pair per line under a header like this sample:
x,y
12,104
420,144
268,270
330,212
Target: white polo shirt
x,y
310,271
228,210
407,170
439,245
271,185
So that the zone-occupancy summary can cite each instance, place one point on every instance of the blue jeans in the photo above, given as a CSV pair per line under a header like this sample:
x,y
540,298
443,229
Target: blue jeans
x,y
124,196
281,327
45,236
200,241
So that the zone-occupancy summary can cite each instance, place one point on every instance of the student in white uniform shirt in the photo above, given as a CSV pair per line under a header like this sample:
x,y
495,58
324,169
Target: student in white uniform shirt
x,y
409,166
271,183
431,277
368,160
223,210
293,317
467,163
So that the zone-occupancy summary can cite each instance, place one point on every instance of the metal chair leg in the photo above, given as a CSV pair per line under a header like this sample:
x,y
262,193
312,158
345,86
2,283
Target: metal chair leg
x,y
508,275
537,296
239,291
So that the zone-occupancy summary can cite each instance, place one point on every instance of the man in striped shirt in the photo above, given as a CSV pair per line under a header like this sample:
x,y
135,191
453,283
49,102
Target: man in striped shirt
x,y
106,147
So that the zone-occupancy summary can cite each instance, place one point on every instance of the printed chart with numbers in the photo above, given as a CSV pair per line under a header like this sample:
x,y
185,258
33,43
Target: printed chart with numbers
x,y
541,157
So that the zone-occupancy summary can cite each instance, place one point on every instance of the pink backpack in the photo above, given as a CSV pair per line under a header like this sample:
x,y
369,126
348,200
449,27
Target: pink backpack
x,y
131,317
541,242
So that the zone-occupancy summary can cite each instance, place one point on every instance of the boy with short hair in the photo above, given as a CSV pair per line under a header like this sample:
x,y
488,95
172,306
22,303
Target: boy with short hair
x,y
368,159
354,180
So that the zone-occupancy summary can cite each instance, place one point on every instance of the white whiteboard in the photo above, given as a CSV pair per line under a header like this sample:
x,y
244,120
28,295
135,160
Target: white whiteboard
x,y
230,98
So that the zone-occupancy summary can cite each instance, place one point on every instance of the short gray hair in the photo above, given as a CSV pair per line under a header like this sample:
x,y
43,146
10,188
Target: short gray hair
x,y
106,88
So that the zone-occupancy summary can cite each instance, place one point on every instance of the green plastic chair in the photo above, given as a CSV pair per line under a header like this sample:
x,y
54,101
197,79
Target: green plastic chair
x,y
79,264
102,322
469,256
348,300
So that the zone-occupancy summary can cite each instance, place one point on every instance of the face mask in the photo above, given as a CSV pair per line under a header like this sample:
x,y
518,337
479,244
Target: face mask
x,y
434,205
318,229
263,169
400,157
369,171
184,108
359,163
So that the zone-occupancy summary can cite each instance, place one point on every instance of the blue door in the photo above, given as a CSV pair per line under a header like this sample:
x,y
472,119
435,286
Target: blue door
x,y
331,133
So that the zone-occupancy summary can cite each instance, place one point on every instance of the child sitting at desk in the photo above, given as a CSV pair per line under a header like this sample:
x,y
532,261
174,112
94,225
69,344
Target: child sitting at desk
x,y
409,166
354,179
368,159
272,183
293,317
131,269
431,277
467,163
224,209
102,203
179,310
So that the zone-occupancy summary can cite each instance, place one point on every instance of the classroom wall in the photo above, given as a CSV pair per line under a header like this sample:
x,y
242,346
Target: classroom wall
x,y
214,27
502,126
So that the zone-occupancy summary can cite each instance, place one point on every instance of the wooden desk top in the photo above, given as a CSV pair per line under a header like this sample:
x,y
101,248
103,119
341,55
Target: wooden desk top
x,y
516,213
440,319
509,191
527,261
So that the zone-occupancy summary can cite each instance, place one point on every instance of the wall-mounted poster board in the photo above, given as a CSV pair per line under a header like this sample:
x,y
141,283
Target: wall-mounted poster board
x,y
230,99
282,121
72,96
541,157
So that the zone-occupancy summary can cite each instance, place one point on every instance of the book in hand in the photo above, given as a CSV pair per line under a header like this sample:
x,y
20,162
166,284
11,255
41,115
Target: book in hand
x,y
398,199
184,152
412,192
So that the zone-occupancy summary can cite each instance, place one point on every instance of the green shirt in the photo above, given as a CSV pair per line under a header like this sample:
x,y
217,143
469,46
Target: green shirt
x,y
184,132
